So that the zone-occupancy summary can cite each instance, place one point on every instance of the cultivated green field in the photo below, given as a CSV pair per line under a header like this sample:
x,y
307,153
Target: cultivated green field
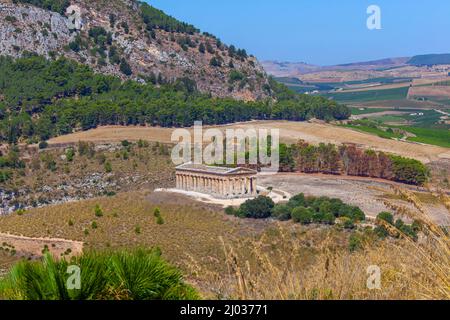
x,y
358,111
423,124
369,95
438,137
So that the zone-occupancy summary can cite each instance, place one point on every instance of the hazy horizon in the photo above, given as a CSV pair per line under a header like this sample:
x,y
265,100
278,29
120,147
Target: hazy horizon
x,y
319,32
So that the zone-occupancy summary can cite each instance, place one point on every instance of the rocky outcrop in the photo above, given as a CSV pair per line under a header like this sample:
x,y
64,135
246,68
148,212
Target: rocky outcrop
x,y
159,54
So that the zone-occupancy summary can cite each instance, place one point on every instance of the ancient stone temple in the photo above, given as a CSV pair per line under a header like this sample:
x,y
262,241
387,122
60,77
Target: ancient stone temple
x,y
219,182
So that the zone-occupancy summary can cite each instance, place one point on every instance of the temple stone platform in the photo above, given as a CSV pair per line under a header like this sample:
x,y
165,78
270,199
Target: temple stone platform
x,y
276,195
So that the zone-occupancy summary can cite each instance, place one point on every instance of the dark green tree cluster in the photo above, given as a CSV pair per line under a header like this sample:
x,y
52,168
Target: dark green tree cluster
x,y
43,98
409,171
258,208
59,6
301,209
240,54
157,19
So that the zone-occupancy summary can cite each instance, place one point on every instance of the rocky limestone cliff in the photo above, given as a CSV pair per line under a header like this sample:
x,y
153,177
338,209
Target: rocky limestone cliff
x,y
150,54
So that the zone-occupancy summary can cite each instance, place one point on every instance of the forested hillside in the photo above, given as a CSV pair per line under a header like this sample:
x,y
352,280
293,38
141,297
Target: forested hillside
x,y
42,98
131,40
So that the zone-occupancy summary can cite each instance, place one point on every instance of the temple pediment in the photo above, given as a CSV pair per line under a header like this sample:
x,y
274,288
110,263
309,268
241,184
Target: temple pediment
x,y
215,170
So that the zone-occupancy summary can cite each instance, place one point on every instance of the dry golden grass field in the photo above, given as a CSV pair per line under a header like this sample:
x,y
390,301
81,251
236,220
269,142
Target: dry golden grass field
x,y
228,257
290,132
430,91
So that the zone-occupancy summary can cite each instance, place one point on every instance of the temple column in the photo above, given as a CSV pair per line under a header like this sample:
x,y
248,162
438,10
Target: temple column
x,y
227,187
222,187
247,188
254,186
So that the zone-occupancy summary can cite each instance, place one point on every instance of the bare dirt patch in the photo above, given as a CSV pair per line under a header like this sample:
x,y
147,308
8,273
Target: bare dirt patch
x,y
368,194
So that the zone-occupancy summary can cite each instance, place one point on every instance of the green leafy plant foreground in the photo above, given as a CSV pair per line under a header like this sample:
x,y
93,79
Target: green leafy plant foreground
x,y
123,275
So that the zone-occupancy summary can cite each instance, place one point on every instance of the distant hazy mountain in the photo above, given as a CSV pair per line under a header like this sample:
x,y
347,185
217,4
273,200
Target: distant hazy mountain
x,y
296,69
430,59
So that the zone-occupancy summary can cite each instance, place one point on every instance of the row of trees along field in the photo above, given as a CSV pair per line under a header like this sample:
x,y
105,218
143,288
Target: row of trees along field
x,y
42,98
351,160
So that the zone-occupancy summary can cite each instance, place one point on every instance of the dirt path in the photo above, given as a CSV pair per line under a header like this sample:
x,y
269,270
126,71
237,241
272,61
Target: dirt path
x,y
34,246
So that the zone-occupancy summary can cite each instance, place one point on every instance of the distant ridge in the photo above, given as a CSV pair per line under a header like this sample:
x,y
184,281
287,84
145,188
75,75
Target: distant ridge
x,y
430,59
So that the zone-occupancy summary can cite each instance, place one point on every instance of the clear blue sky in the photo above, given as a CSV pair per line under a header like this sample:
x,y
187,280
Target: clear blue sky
x,y
320,32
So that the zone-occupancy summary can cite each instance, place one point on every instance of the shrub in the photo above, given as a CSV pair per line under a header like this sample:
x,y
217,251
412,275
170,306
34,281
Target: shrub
x,y
230,211
43,145
302,215
259,208
98,211
282,212
348,223
329,218
386,216
5,175
108,167
94,225
297,201
137,230
160,220
324,217
355,243
125,143
357,214
70,153
125,68
235,76
156,212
